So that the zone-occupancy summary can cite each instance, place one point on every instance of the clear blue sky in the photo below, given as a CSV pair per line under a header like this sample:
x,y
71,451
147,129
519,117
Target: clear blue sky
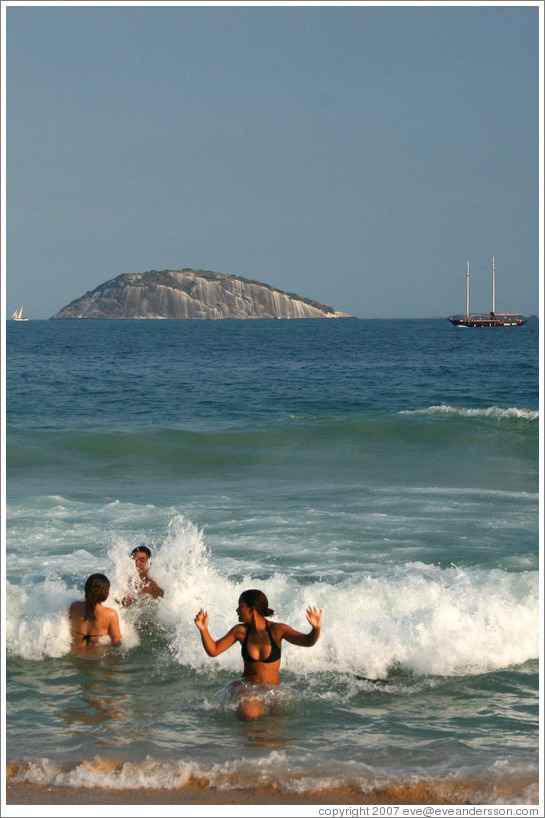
x,y
357,155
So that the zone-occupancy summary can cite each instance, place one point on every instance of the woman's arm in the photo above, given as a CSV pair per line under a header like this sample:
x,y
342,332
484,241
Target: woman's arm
x,y
211,646
114,630
304,640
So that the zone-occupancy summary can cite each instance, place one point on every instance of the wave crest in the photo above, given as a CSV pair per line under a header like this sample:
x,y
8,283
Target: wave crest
x,y
494,412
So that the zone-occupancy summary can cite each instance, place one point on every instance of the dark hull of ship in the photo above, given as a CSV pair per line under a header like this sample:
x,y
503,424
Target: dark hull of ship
x,y
475,321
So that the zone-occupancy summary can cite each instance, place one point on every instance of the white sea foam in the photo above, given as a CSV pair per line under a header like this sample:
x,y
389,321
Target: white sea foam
x,y
429,620
495,412
420,617
37,621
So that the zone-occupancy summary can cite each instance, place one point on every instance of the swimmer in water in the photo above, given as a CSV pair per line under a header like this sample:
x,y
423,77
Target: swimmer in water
x,y
260,647
91,620
146,588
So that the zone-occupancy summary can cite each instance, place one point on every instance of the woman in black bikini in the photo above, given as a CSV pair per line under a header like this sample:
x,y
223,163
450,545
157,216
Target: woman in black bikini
x,y
91,620
260,641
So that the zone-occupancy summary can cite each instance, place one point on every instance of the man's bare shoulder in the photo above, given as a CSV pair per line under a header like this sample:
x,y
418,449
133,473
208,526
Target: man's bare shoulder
x,y
153,589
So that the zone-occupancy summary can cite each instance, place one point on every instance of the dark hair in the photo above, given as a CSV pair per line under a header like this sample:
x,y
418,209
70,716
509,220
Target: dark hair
x,y
256,599
143,548
97,589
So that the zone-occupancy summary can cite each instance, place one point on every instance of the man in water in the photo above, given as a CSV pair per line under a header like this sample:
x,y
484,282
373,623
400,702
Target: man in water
x,y
145,586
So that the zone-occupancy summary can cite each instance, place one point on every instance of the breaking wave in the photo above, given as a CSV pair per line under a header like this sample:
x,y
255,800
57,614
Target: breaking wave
x,y
420,617
494,412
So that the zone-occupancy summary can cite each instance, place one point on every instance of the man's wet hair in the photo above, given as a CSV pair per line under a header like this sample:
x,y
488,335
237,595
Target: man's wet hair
x,y
140,548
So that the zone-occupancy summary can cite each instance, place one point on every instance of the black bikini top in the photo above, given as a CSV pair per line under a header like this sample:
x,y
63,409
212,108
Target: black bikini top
x,y
273,656
86,637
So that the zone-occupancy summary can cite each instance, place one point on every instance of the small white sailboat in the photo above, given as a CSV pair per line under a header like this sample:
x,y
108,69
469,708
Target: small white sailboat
x,y
18,315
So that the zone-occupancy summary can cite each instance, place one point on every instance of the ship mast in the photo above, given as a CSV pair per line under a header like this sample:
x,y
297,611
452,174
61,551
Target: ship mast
x,y
493,286
467,291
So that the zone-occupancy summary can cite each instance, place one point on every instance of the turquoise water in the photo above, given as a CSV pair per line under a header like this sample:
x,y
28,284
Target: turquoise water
x,y
386,471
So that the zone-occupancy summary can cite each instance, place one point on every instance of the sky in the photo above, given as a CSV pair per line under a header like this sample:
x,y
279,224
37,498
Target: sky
x,y
358,155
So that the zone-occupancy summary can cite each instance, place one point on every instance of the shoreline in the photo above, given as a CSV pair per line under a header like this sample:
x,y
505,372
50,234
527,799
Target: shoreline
x,y
200,790
434,793
26,793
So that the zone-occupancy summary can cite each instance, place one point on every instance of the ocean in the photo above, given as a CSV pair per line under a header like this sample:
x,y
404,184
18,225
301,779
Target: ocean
x,y
386,471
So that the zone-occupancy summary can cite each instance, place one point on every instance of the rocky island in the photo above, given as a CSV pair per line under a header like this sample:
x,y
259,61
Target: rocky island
x,y
191,294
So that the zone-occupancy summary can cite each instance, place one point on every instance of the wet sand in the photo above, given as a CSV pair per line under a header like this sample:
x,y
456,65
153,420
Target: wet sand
x,y
33,794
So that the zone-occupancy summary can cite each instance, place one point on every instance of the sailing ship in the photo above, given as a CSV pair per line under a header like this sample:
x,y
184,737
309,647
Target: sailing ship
x,y
18,315
491,319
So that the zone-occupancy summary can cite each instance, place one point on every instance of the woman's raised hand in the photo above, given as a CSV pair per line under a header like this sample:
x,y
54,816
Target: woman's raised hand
x,y
201,620
314,616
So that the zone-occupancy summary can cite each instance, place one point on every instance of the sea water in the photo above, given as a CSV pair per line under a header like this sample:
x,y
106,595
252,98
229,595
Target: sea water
x,y
385,471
